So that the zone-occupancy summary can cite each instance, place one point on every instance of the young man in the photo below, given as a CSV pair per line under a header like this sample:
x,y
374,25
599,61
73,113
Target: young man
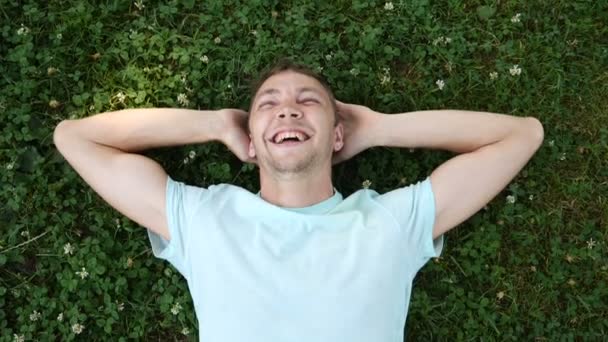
x,y
297,261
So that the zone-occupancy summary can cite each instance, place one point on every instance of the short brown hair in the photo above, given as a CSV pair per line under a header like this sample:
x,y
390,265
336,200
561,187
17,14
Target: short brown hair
x,y
286,64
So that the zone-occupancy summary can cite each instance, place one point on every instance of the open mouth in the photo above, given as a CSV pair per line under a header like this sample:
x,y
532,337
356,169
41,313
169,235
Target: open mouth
x,y
290,138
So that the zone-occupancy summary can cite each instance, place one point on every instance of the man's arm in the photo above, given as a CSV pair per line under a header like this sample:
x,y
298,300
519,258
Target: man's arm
x,y
100,149
494,148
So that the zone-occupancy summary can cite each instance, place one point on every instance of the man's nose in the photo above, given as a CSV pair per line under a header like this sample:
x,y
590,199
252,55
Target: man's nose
x,y
289,111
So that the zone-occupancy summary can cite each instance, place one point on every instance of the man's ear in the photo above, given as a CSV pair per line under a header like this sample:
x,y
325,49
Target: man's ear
x,y
339,137
251,148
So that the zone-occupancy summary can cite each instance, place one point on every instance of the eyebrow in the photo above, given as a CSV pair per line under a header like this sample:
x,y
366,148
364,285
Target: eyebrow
x,y
300,90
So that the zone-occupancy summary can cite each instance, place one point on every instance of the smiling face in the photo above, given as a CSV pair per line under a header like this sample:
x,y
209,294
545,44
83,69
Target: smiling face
x,y
292,126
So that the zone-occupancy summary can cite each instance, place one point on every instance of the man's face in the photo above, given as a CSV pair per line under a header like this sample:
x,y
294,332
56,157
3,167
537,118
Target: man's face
x,y
292,125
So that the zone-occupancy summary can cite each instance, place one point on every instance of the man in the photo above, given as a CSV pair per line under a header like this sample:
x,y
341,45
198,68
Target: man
x,y
297,261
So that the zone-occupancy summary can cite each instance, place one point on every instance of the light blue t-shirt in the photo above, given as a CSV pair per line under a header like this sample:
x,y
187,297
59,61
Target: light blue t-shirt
x,y
339,270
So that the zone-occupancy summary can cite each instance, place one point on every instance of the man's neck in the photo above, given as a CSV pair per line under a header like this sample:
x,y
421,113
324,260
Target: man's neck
x,y
297,191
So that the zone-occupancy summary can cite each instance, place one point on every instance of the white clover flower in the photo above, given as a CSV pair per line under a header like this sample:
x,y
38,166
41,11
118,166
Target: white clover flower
x,y
117,221
60,317
274,14
366,184
182,99
25,233
51,71
10,165
182,77
139,4
500,295
319,68
185,331
493,75
34,316
515,70
552,143
440,84
563,156
121,97
23,30
82,274
354,71
176,308
442,40
516,18
229,86
91,108
389,6
254,32
18,338
186,160
68,249
511,199
591,243
59,36
132,33
129,262
217,40
329,56
121,306
192,154
385,79
77,328
204,59
531,197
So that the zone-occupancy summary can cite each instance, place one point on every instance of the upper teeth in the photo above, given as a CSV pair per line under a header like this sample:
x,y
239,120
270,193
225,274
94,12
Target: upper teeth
x,y
290,134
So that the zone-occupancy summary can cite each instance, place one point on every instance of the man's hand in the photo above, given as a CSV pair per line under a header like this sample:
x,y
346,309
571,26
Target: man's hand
x,y
235,135
359,124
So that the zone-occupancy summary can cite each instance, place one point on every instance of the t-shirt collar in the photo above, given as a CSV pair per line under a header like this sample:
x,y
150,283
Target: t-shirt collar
x,y
317,208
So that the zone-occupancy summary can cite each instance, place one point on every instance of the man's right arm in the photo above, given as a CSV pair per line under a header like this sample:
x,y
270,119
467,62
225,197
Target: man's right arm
x,y
100,149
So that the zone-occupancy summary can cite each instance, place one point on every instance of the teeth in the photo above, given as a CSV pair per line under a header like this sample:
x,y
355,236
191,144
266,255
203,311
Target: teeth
x,y
290,134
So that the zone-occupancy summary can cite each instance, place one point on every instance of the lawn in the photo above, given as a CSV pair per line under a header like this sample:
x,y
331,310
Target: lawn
x,y
532,265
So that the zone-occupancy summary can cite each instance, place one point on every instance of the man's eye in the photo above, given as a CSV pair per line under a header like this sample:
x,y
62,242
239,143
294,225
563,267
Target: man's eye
x,y
265,103
311,100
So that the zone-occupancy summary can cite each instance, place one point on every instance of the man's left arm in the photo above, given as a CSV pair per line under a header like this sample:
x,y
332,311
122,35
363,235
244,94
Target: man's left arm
x,y
493,149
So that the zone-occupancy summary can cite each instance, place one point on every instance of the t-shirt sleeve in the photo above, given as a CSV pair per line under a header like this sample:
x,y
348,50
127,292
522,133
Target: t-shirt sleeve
x,y
413,207
181,203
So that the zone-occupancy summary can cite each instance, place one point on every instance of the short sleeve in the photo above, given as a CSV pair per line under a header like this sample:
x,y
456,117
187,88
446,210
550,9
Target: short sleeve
x,y
413,207
181,203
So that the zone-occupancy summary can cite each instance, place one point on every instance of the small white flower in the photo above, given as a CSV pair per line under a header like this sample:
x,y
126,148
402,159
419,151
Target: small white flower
x,y
121,306
329,57
354,71
18,338
77,328
82,274
185,331
563,156
117,221
23,30
186,160
192,154
515,70
254,32
531,197
59,36
25,233
442,40
60,317
132,33
182,99
229,86
10,165
182,77
139,4
121,97
440,84
500,295
389,6
385,79
366,183
68,249
91,108
516,18
217,40
204,59
274,14
176,308
35,316
511,199
493,75
319,68
591,243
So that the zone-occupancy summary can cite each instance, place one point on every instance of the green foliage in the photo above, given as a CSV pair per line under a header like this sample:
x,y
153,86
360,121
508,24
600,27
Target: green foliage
x,y
532,269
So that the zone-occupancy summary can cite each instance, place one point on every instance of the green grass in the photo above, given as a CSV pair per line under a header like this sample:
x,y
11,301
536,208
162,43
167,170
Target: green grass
x,y
516,271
